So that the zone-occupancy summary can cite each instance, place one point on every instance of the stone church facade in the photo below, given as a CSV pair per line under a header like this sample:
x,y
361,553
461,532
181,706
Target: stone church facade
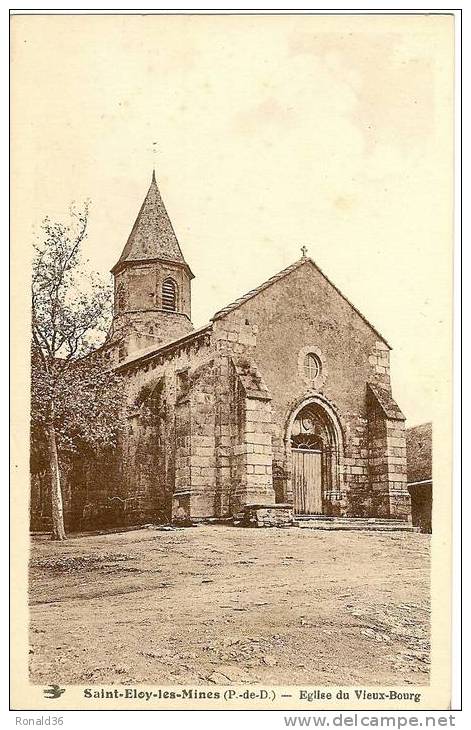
x,y
284,398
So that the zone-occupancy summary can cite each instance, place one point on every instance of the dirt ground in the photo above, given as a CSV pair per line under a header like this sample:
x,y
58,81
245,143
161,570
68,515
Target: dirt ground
x,y
222,605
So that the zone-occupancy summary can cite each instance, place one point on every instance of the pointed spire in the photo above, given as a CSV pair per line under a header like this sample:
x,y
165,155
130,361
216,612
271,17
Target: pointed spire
x,y
152,236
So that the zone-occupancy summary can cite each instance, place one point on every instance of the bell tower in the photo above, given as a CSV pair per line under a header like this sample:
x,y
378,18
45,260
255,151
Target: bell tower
x,y
152,282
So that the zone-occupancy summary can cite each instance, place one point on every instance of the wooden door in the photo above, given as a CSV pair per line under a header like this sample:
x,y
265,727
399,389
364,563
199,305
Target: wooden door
x,y
307,482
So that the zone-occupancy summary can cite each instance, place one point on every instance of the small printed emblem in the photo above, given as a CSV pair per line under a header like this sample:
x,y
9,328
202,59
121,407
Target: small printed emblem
x,y
53,692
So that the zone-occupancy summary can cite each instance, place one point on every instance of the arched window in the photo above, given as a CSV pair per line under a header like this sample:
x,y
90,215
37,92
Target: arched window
x,y
312,366
169,295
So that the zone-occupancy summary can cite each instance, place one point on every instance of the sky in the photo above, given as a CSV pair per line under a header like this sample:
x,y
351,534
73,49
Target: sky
x,y
271,132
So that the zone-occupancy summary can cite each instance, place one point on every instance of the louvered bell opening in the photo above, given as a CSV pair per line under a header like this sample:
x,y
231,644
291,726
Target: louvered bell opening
x,y
169,295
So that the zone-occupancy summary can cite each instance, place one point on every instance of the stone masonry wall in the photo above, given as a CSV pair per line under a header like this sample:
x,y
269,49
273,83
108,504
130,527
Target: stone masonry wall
x,y
220,440
252,448
355,491
139,321
195,480
301,312
399,497
244,426
150,458
387,463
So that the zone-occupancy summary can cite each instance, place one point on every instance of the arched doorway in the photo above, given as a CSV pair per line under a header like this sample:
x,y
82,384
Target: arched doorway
x,y
314,441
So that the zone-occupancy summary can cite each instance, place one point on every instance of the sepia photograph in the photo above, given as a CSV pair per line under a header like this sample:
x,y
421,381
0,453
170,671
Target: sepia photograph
x,y
232,259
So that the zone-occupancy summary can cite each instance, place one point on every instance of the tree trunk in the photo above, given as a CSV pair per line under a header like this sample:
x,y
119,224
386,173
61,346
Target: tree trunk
x,y
58,531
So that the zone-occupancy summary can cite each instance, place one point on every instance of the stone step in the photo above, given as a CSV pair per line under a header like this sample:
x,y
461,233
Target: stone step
x,y
318,522
358,520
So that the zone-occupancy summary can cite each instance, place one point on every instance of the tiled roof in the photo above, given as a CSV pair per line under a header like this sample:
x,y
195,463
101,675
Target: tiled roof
x,y
386,402
297,264
419,453
152,236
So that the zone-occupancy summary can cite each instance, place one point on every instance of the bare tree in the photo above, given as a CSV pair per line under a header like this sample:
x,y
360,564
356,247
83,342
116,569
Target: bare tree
x,y
74,398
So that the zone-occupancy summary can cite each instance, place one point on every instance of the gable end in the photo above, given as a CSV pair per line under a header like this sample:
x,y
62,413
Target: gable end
x,y
285,272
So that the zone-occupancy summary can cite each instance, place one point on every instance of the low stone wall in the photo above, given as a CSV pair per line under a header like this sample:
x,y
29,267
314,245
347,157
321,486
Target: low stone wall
x,y
268,515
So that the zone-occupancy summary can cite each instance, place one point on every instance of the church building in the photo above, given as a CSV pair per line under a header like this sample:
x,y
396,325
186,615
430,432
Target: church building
x,y
283,399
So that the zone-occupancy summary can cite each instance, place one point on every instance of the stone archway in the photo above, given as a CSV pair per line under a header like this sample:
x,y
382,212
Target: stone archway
x,y
314,445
